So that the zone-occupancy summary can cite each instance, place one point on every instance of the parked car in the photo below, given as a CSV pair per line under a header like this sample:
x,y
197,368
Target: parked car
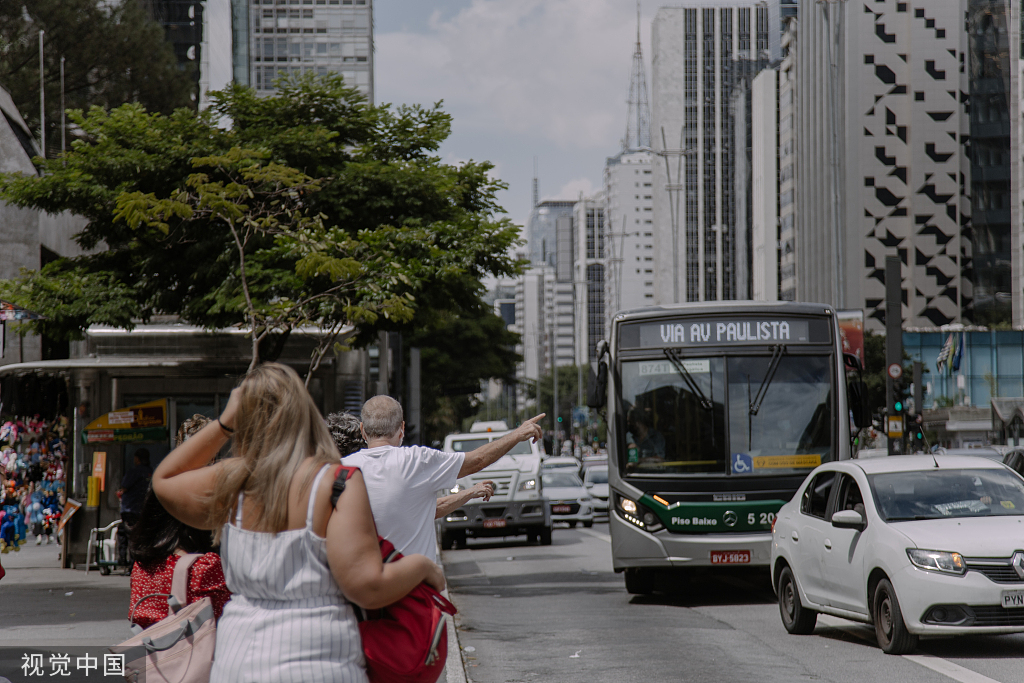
x,y
518,505
982,452
914,545
595,479
570,500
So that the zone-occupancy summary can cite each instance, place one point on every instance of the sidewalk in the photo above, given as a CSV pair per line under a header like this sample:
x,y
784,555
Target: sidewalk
x,y
42,604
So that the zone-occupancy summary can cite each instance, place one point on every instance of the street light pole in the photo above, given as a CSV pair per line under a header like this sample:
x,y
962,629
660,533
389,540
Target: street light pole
x,y
833,27
673,198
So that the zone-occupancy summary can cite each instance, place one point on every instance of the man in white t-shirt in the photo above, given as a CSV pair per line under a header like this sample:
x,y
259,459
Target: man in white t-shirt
x,y
402,482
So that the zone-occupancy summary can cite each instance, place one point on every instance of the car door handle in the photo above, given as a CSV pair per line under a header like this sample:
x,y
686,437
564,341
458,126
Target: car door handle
x,y
828,544
796,537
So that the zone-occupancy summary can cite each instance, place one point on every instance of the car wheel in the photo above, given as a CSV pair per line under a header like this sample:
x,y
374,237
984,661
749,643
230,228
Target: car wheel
x,y
797,619
105,571
639,581
890,630
572,525
588,524
447,542
545,536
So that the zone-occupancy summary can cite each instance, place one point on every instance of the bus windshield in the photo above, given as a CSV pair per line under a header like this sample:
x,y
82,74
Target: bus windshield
x,y
701,415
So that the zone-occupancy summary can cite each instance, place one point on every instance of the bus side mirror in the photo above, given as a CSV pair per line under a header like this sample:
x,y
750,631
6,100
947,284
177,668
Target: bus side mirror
x,y
597,386
857,394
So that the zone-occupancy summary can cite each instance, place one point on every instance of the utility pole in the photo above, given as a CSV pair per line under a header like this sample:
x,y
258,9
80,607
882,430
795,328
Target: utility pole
x,y
42,99
833,26
893,352
674,189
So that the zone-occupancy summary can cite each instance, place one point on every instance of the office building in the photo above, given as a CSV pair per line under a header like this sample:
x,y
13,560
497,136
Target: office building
x,y
542,230
629,219
303,36
706,55
589,279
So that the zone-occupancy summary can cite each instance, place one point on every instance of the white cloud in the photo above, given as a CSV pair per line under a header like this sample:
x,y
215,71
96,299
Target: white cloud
x,y
573,188
557,70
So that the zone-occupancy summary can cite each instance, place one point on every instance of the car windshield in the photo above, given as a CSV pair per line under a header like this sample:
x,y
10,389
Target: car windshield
x,y
597,476
561,479
467,445
521,448
703,416
941,494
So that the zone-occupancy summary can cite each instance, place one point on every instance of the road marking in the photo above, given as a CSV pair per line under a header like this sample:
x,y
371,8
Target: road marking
x,y
937,664
604,537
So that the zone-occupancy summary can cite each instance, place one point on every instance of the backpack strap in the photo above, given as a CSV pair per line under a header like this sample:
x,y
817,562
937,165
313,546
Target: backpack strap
x,y
179,583
340,477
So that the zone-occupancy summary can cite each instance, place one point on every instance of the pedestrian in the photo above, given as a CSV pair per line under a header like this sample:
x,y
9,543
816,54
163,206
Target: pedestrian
x,y
402,482
348,437
157,541
292,561
132,493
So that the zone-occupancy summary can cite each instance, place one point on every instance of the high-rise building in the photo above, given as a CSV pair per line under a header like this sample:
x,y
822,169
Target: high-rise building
x,y
542,230
303,36
928,114
706,54
629,246
590,238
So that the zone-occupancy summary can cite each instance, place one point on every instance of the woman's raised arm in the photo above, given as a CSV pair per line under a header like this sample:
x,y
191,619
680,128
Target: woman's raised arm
x,y
354,555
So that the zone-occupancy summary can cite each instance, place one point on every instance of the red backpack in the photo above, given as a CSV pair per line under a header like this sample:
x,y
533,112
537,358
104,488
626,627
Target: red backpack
x,y
406,642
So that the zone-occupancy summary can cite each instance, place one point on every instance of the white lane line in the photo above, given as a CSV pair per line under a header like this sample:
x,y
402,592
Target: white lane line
x,y
948,668
604,537
937,664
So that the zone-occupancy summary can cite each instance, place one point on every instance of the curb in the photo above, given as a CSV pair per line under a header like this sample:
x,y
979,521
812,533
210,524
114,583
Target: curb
x,y
455,667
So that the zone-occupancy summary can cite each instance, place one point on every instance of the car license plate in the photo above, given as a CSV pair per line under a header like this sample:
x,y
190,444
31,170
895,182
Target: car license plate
x,y
560,509
494,523
730,557
1013,598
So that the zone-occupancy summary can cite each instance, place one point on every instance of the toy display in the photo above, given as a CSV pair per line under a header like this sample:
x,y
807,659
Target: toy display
x,y
33,457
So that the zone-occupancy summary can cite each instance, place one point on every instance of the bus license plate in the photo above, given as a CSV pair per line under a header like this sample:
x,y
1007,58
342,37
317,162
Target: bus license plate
x,y
560,509
1013,598
494,523
730,557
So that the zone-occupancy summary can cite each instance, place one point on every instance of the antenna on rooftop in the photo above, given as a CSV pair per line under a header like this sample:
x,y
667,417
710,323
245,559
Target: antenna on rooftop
x,y
536,186
638,120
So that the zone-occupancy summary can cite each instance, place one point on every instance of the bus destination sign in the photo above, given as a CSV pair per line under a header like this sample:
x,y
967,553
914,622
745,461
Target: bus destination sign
x,y
724,332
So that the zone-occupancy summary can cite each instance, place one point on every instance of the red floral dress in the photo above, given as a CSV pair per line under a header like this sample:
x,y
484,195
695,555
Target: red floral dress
x,y
205,580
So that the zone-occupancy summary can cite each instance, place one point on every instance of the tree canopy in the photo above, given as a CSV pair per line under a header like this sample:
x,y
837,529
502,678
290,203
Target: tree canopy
x,y
114,53
314,209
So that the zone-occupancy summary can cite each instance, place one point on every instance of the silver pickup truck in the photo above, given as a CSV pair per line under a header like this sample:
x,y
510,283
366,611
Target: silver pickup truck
x,y
518,505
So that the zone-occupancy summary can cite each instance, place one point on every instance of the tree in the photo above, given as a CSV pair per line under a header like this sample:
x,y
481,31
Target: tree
x,y
458,354
114,53
314,208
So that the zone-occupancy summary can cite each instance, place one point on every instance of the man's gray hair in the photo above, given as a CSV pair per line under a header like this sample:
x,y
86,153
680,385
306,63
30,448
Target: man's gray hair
x,y
382,417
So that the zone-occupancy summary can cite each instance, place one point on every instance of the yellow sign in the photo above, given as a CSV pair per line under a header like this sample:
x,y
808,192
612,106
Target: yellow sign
x,y
895,427
770,462
93,499
144,422
99,468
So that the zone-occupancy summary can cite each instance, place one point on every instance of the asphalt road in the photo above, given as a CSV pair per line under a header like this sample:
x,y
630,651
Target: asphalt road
x,y
559,613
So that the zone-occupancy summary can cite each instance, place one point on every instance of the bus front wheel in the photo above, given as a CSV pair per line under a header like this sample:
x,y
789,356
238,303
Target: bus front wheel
x,y
639,581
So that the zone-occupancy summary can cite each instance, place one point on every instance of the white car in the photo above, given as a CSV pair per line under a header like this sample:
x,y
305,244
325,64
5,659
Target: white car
x,y
596,480
570,501
915,544
561,462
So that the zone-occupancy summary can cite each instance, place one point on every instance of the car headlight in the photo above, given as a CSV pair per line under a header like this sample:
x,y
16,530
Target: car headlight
x,y
937,561
457,488
586,499
528,485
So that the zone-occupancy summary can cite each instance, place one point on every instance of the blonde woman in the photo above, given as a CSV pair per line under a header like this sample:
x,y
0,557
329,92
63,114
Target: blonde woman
x,y
291,561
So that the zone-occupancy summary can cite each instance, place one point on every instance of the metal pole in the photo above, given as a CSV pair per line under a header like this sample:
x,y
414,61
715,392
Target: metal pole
x,y
415,405
42,99
893,347
63,116
833,84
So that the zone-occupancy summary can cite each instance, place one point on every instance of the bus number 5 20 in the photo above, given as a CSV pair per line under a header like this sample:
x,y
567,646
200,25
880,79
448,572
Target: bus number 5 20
x,y
766,518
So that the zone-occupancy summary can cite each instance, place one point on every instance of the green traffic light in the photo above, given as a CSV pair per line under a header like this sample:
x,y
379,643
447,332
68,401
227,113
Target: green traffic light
x,y
920,435
559,418
898,406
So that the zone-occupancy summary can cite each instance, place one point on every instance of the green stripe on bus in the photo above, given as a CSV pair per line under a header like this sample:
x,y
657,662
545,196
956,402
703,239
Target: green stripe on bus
x,y
755,515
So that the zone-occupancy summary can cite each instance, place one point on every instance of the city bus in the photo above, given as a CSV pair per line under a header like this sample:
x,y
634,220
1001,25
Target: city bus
x,y
716,413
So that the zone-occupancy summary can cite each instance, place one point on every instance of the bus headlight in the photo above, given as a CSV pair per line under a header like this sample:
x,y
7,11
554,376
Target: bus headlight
x,y
637,515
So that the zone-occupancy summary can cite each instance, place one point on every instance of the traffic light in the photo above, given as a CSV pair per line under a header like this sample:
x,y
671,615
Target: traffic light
x,y
898,406
559,418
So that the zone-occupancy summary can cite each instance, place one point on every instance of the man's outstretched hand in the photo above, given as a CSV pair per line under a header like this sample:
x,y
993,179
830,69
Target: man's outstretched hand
x,y
530,429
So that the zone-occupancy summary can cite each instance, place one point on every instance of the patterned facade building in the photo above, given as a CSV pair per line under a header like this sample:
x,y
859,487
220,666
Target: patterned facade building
x,y
929,106
705,56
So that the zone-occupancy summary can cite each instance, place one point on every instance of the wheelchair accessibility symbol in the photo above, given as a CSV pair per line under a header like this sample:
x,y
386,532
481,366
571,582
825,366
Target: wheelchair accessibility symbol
x,y
742,463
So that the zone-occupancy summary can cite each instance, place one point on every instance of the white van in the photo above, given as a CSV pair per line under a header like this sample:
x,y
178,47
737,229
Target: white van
x,y
518,505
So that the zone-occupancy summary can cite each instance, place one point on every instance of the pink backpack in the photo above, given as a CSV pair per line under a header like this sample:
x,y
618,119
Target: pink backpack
x,y
178,648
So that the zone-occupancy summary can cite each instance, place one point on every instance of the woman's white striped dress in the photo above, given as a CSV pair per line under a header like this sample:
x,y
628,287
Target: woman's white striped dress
x,y
287,620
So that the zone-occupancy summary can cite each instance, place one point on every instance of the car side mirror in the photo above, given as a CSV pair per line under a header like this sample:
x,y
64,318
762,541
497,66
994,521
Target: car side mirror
x,y
597,386
848,519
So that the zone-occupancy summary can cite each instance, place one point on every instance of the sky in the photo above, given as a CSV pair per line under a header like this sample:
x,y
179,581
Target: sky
x,y
522,79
